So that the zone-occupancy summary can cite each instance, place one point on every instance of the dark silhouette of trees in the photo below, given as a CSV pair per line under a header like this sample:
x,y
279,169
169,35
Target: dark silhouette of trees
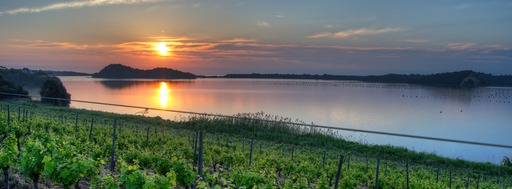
x,y
119,71
54,89
461,79
8,87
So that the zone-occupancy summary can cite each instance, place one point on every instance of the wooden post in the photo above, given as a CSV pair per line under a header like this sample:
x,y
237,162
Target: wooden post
x,y
26,116
200,161
437,175
90,128
112,154
261,144
377,174
450,179
293,151
348,163
467,181
250,153
8,116
338,174
385,168
195,147
76,122
478,181
407,172
147,137
19,113
366,164
325,158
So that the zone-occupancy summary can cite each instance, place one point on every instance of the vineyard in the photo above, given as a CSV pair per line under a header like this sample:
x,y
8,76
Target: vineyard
x,y
49,147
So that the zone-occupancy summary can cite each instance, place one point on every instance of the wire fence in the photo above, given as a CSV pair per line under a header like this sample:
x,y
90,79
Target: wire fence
x,y
274,121
401,169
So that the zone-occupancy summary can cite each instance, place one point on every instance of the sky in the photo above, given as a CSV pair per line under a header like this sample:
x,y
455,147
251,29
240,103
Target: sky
x,y
216,37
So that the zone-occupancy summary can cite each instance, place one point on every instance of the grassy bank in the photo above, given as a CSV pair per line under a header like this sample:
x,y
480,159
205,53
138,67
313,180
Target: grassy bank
x,y
283,153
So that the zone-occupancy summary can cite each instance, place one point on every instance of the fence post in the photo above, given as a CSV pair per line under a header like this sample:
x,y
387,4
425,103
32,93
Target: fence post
x,y
293,151
450,178
385,168
76,122
147,137
26,115
325,158
200,161
19,113
478,180
195,147
407,172
468,180
367,164
250,153
348,163
377,174
437,175
338,174
8,116
90,128
112,160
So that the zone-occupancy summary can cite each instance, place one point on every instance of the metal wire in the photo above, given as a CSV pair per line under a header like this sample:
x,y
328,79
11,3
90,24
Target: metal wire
x,y
273,121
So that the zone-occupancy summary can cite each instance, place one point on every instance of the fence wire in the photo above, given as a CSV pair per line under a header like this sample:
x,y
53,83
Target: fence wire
x,y
274,121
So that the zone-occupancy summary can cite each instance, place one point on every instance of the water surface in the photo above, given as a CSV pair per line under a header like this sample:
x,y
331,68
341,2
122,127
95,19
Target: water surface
x,y
481,114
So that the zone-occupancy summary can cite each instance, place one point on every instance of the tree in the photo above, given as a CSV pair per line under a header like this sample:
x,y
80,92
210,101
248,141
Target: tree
x,y
8,87
54,89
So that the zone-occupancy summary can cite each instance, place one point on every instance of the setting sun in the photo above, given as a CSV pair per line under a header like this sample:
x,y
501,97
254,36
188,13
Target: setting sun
x,y
163,49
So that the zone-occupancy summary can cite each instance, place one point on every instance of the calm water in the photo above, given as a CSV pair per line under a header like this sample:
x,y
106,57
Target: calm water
x,y
482,115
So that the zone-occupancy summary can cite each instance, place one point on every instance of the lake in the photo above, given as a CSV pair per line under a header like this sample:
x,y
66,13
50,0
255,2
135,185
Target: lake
x,y
481,115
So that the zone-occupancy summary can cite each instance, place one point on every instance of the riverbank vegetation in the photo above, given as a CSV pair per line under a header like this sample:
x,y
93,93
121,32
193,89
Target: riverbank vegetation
x,y
212,152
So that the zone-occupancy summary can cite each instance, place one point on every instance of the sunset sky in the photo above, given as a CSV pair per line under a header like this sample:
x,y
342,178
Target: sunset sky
x,y
215,37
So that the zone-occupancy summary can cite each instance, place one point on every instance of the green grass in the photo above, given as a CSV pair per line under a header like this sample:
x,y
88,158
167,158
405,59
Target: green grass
x,y
168,159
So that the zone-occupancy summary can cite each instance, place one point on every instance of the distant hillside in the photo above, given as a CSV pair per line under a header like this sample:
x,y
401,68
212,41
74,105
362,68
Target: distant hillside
x,y
66,73
26,77
461,79
119,71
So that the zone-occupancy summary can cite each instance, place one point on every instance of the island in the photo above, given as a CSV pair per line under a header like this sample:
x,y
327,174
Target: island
x,y
119,71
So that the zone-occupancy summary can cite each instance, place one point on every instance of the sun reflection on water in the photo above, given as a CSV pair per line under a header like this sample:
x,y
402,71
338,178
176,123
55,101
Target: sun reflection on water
x,y
164,94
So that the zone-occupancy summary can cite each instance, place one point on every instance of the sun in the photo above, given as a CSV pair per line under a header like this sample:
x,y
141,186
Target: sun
x,y
163,49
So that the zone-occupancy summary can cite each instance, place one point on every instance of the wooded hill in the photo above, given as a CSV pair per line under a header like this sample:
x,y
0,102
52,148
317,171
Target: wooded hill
x,y
119,71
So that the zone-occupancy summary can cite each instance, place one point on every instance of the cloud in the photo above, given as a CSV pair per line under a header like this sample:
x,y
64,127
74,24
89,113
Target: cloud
x,y
238,40
41,44
462,6
460,46
417,40
263,24
355,32
74,4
